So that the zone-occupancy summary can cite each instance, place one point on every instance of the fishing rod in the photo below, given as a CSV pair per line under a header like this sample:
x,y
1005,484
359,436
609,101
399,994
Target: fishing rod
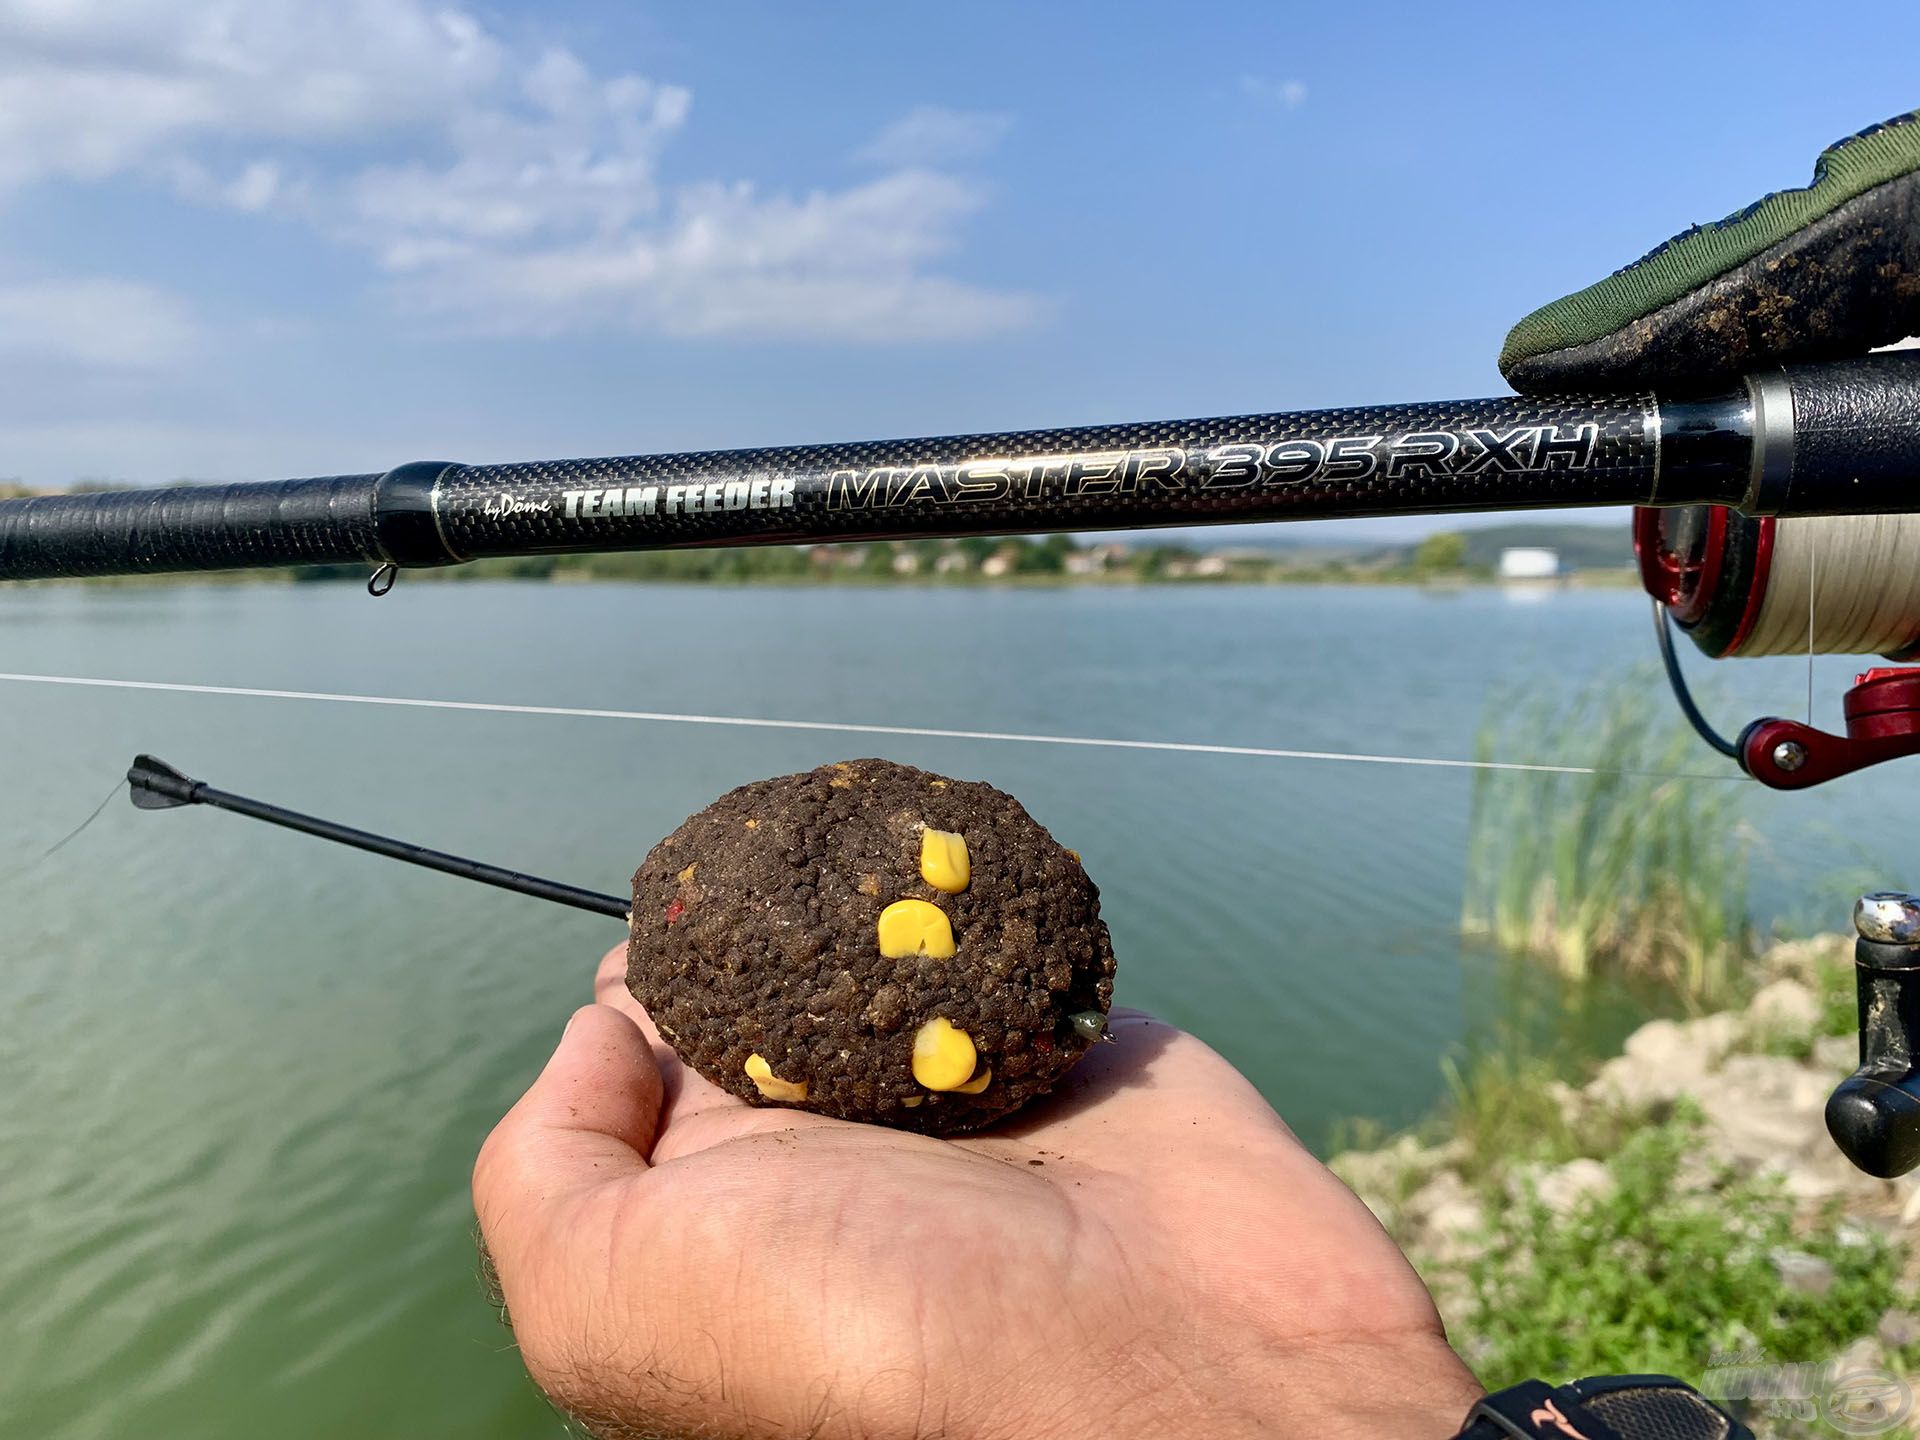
x,y
1840,438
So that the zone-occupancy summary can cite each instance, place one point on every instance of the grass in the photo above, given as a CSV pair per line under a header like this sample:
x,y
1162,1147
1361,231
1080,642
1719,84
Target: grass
x,y
1669,1268
1664,1271
1629,867
1503,1107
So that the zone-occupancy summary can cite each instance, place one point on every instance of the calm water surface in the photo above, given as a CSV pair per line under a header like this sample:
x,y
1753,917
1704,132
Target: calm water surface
x,y
246,1073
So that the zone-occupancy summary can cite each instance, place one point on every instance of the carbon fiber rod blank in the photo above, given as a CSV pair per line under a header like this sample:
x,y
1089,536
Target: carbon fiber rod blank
x,y
155,785
1820,439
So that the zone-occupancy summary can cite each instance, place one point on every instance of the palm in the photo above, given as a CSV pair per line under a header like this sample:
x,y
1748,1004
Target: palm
x,y
1149,1236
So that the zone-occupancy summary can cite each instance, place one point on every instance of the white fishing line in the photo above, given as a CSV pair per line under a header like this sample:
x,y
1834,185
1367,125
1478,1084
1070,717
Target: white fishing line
x,y
1840,585
662,717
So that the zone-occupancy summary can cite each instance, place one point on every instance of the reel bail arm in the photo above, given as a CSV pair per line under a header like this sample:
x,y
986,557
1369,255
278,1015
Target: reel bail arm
x,y
1883,723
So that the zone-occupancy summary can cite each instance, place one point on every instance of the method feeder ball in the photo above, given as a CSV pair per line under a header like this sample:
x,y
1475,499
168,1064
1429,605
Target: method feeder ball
x,y
872,942
865,940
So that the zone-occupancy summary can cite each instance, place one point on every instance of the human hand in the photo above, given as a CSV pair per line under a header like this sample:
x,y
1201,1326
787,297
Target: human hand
x,y
1146,1251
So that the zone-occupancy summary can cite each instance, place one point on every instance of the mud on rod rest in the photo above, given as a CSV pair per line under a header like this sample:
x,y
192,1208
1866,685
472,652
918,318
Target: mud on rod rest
x,y
1874,1116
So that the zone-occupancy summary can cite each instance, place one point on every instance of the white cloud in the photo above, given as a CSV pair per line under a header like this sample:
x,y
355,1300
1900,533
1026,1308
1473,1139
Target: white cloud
x,y
96,87
579,159
497,188
931,135
1287,94
94,322
843,265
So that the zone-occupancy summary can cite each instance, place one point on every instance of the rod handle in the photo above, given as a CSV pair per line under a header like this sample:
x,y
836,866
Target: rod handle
x,y
1855,430
324,521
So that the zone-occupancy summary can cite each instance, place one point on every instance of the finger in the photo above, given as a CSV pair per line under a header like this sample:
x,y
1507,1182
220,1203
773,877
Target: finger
x,y
687,1092
589,1119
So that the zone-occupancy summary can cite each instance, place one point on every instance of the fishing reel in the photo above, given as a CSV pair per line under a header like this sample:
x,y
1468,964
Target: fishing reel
x,y
1740,585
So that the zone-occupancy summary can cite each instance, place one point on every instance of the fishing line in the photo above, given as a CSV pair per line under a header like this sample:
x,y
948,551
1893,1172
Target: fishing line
x,y
98,811
846,728
1840,585
1813,558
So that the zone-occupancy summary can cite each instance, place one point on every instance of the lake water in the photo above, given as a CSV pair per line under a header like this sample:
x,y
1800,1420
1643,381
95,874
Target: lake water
x,y
246,1073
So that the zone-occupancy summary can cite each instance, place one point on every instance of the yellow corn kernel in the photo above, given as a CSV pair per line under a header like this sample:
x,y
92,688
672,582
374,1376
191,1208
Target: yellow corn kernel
x,y
912,1102
943,860
914,927
943,1055
982,1078
770,1085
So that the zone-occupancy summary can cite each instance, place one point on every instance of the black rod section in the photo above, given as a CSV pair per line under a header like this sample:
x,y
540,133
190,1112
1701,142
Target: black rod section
x,y
156,785
1838,438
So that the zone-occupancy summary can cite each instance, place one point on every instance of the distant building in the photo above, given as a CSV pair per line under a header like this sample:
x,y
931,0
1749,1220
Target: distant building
x,y
905,563
997,564
953,562
1095,559
1527,562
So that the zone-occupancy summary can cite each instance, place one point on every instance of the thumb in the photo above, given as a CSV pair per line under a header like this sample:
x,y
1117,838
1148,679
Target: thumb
x,y
588,1120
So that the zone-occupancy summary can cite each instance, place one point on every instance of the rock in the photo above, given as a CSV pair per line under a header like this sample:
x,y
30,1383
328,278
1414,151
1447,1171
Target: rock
x,y
1450,1153
1665,1059
1805,959
1765,1110
1800,1272
1449,1218
1854,1234
1658,1042
1711,1037
1863,1354
1569,1100
1380,1177
1659,1065
1898,1329
1562,1187
1784,1008
1836,1055
1454,1232
1368,1173
1910,1212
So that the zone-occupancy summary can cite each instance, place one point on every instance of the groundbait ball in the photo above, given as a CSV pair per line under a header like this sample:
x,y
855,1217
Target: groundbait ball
x,y
872,942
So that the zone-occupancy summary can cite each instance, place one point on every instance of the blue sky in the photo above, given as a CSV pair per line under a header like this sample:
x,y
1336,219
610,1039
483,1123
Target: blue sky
x,y
246,238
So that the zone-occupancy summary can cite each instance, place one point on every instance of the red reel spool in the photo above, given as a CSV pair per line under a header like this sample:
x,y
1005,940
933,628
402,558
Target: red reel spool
x,y
1708,565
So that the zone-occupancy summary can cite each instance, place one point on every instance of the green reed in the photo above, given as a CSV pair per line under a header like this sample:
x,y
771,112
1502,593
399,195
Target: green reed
x,y
1628,868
